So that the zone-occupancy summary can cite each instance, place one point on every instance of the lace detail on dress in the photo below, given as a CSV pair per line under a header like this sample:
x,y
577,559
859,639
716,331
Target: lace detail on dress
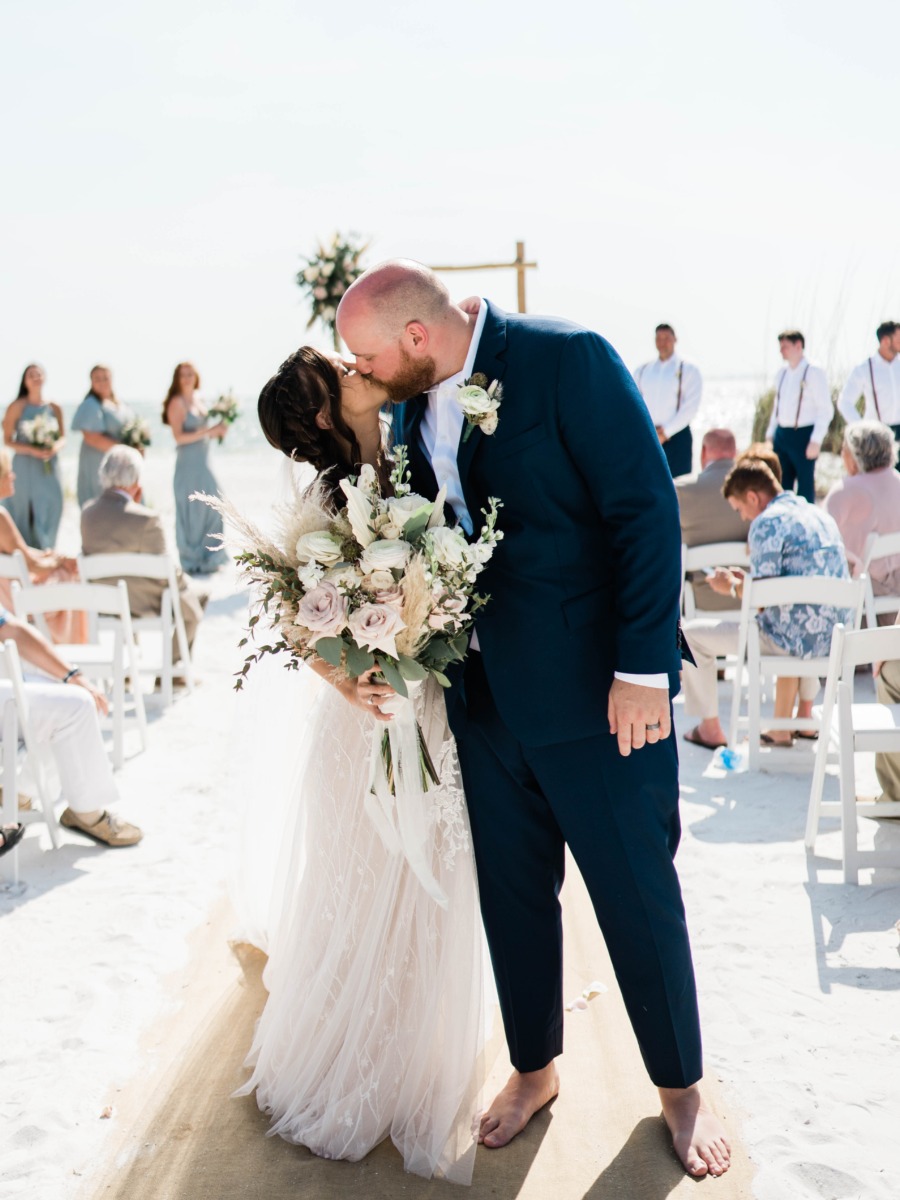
x,y
449,808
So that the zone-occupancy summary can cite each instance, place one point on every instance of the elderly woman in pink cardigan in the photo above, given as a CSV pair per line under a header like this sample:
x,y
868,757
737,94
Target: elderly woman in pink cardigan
x,y
867,500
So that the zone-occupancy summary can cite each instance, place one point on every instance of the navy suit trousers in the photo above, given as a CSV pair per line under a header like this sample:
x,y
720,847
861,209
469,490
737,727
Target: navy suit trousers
x,y
619,817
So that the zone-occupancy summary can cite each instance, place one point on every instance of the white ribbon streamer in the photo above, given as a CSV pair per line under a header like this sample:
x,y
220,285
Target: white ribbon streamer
x,y
402,818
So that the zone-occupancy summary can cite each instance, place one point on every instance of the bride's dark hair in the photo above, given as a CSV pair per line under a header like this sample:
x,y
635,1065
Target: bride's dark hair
x,y
305,385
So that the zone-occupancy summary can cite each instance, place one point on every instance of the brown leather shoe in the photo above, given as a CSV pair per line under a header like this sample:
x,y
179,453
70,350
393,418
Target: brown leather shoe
x,y
109,829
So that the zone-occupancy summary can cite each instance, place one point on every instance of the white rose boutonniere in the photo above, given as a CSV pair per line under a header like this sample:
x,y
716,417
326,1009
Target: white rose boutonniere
x,y
480,402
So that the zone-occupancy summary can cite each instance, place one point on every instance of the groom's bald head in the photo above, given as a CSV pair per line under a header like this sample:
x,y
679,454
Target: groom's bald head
x,y
391,295
401,327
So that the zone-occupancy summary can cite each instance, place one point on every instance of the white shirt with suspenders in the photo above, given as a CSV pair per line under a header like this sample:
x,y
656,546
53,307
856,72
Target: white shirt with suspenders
x,y
878,382
671,391
802,398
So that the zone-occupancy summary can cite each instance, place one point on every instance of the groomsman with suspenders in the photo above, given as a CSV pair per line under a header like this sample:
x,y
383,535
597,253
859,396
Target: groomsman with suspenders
x,y
801,415
877,380
671,389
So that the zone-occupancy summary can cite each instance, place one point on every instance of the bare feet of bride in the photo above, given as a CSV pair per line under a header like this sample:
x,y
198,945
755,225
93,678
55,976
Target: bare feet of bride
x,y
697,1133
516,1104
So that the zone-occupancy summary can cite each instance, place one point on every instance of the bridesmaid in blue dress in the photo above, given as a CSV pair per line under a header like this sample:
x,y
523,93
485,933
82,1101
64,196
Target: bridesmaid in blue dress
x,y
195,522
100,418
37,504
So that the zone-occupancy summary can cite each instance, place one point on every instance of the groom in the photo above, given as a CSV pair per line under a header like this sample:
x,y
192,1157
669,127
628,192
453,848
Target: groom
x,y
561,712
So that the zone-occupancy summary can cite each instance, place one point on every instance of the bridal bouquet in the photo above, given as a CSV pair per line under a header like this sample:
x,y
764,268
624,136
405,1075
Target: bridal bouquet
x,y
382,583
136,434
43,432
225,409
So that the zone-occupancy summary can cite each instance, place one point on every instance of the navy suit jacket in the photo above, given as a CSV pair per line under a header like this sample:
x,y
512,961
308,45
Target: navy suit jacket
x,y
587,578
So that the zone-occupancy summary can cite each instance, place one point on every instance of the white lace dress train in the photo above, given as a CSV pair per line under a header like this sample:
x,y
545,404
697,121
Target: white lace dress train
x,y
374,1024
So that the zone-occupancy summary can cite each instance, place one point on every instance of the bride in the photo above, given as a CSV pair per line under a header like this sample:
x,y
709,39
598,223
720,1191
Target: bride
x,y
374,1024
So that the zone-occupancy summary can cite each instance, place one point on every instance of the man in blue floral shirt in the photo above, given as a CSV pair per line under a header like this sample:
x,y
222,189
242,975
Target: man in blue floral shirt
x,y
788,536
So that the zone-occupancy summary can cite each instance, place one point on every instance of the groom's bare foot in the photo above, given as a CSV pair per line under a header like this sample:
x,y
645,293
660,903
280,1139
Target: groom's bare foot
x,y
516,1104
697,1133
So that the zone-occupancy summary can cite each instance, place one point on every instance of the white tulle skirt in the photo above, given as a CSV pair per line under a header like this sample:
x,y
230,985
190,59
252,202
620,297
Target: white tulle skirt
x,y
374,1025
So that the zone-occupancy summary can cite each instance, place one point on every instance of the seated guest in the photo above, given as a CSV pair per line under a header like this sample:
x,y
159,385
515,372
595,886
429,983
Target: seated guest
x,y
762,452
117,523
44,566
788,536
868,501
706,516
887,763
63,708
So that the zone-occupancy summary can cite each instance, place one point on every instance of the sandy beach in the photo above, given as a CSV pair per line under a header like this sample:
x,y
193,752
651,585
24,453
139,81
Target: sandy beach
x,y
127,1013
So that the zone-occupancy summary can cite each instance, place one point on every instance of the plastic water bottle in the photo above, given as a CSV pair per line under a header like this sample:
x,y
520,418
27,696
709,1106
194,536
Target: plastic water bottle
x,y
731,758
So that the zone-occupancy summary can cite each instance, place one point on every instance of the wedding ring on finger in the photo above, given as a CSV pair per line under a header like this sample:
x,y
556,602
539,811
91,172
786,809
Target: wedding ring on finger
x,y
653,727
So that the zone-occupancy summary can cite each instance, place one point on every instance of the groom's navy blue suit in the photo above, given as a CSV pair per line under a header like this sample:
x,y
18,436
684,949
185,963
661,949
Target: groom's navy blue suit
x,y
585,582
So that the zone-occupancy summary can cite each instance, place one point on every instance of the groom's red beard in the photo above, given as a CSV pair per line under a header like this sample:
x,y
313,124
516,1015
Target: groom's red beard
x,y
414,376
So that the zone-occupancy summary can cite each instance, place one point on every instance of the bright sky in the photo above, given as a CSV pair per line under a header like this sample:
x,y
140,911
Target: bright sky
x,y
729,168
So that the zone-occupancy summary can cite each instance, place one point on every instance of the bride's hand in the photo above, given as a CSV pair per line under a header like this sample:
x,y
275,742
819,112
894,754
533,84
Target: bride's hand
x,y
367,693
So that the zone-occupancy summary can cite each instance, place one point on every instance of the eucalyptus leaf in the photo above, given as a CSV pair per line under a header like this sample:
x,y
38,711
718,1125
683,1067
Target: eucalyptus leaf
x,y
392,675
358,660
331,649
410,669
441,678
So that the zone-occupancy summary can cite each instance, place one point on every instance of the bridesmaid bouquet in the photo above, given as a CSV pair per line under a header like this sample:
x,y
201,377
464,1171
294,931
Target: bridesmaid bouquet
x,y
225,409
136,434
43,432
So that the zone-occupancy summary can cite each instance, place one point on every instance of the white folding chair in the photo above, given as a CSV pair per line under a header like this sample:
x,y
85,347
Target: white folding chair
x,y
22,760
13,566
859,728
169,623
879,545
108,659
770,593
713,554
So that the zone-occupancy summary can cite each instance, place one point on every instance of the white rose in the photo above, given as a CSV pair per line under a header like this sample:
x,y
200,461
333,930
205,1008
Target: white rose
x,y
345,576
378,581
385,555
375,627
327,269
323,611
404,508
387,528
327,314
448,547
311,274
319,547
476,402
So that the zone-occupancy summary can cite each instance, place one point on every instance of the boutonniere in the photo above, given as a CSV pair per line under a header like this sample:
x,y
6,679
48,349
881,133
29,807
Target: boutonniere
x,y
480,402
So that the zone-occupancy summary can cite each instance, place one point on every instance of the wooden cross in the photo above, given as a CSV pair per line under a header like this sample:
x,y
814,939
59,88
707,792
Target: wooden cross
x,y
519,264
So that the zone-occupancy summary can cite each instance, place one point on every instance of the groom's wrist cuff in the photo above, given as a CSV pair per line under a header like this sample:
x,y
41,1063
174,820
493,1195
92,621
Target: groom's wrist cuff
x,y
657,681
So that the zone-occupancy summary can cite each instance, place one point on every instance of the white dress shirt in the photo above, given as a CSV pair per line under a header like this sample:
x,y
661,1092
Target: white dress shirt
x,y
882,403
802,398
442,424
440,432
671,391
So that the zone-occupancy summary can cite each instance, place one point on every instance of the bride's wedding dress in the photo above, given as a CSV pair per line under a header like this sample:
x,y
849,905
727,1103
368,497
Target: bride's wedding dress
x,y
374,1024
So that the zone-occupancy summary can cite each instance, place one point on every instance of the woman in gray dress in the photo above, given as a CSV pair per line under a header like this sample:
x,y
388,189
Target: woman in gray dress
x,y
37,504
100,418
195,523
